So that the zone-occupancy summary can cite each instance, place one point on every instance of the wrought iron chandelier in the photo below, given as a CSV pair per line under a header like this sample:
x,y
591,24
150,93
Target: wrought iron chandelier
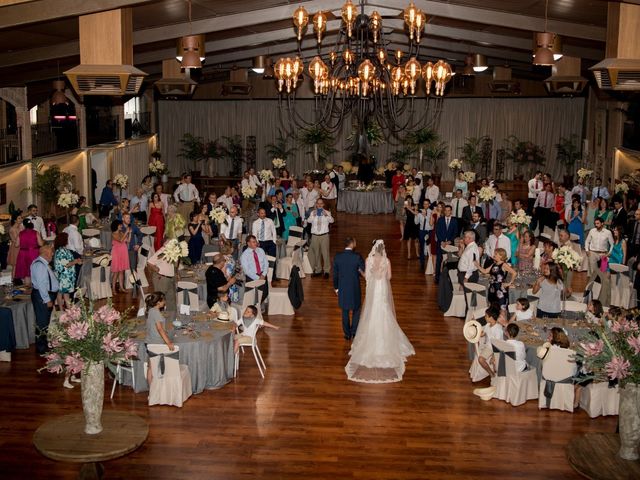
x,y
361,75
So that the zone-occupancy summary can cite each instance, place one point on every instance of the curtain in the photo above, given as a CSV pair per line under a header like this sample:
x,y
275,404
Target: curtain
x,y
542,121
132,160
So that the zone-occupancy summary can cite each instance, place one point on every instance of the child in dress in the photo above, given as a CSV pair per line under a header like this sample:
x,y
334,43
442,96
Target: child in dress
x,y
523,312
511,332
492,330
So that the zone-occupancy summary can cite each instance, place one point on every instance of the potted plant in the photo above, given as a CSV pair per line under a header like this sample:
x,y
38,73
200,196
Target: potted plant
x,y
213,151
471,152
420,140
568,154
523,154
192,150
321,142
48,183
234,152
435,153
278,151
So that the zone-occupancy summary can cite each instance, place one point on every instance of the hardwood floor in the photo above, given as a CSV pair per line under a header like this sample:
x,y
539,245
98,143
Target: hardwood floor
x,y
305,420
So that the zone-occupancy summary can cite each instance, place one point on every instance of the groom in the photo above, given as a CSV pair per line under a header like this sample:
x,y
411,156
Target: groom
x,y
347,268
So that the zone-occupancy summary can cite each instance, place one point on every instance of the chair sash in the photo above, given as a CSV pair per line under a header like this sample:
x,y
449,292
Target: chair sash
x,y
185,294
175,355
502,362
252,291
103,271
295,233
148,237
550,386
473,303
86,237
181,238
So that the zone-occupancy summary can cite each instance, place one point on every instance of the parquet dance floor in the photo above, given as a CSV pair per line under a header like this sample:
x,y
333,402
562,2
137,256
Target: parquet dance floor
x,y
305,420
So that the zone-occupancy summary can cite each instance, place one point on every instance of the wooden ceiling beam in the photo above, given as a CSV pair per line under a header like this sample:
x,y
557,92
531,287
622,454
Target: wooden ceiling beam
x,y
46,10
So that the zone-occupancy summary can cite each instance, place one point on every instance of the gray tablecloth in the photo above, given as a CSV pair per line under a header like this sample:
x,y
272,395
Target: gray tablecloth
x,y
84,277
24,321
105,237
367,203
210,357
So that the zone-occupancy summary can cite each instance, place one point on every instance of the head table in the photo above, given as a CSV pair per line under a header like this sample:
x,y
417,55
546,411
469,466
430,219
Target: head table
x,y
365,202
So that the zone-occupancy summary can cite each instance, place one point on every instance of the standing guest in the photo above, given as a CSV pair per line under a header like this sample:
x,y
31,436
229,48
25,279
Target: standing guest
x,y
479,228
163,277
123,207
499,271
196,241
320,219
401,214
156,330
231,229
45,289
618,252
107,200
230,267
469,256
492,211
14,236
423,220
619,214
139,205
461,184
216,279
534,188
417,191
348,267
437,213
135,242
599,191
276,213
631,207
297,199
505,208
514,237
186,195
164,198
235,195
634,238
209,228
291,215
591,208
526,251
265,231
603,213
458,204
432,191
147,185
544,208
76,244
226,200
30,241
330,195
156,219
64,264
285,178
119,255
255,265
576,220
550,297
411,229
342,178
397,180
469,209
446,231
38,222
313,194
580,189
276,187
546,178
496,240
563,203
254,181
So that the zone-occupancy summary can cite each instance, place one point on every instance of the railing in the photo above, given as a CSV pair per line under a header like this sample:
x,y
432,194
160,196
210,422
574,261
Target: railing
x,y
10,145
101,128
47,139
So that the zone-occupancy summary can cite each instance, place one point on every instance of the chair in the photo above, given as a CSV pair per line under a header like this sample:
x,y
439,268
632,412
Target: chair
x,y
187,297
123,367
208,257
556,385
91,237
252,294
284,265
622,291
100,286
148,238
573,306
171,382
458,307
476,295
512,386
295,236
599,399
140,275
591,290
279,303
253,343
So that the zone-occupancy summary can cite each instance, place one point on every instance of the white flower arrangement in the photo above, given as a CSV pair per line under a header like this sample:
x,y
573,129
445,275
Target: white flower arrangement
x,y
567,257
278,163
487,194
584,173
121,180
407,167
520,218
347,166
379,171
248,191
67,199
265,175
218,215
175,250
157,167
455,164
391,166
328,166
2,230
469,176
622,187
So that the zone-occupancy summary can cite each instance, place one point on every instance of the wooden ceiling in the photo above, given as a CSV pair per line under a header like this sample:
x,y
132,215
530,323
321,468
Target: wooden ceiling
x,y
39,38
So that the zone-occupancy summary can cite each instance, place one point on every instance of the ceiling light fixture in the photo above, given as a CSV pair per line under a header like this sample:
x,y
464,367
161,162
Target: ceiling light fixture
x,y
479,63
543,52
258,64
191,48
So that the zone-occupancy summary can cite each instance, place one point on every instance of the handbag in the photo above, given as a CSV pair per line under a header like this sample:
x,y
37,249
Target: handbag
x,y
604,264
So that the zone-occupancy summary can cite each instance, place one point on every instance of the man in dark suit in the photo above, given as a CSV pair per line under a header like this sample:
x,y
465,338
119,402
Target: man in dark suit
x,y
446,231
619,215
347,268
479,228
468,211
633,244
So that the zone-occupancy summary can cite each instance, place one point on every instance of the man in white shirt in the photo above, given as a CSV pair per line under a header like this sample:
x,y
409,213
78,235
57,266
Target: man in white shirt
x,y
313,194
599,191
467,269
457,207
535,187
38,223
231,229
581,190
423,220
163,277
597,245
432,192
297,199
186,195
416,195
329,194
496,240
544,209
226,199
139,205
254,181
75,242
320,219
341,178
265,231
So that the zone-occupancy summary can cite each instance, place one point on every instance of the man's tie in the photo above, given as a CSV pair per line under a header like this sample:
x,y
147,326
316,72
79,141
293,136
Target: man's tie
x,y
537,185
261,232
488,211
231,234
597,192
446,221
424,223
495,246
457,207
255,259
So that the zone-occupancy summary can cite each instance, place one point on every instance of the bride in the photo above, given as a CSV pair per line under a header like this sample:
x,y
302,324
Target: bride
x,y
380,348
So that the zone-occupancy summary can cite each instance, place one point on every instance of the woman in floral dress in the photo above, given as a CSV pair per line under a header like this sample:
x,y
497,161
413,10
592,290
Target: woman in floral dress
x,y
64,265
226,249
499,271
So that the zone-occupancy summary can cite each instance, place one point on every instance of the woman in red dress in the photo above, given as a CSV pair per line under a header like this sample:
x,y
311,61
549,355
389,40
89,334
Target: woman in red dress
x,y
396,181
156,219
30,243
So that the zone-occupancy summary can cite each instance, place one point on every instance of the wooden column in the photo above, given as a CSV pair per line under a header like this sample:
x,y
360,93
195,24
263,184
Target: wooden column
x,y
118,110
17,96
81,118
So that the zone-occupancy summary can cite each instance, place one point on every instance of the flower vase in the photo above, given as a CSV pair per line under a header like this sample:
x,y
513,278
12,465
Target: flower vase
x,y
629,421
92,390
164,178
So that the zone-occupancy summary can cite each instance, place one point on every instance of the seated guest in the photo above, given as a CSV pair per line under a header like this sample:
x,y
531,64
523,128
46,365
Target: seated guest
x,y
550,287
558,338
249,327
511,332
222,304
595,312
139,205
156,332
523,310
216,279
491,331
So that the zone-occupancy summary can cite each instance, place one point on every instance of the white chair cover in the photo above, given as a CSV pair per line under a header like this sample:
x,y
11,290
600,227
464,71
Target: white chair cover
x,y
279,303
476,295
173,386
512,386
252,294
208,257
148,238
187,297
458,307
556,384
622,291
100,285
283,267
91,237
295,236
598,399
573,306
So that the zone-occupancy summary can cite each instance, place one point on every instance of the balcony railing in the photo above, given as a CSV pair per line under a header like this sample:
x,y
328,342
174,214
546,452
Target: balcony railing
x,y
47,139
10,145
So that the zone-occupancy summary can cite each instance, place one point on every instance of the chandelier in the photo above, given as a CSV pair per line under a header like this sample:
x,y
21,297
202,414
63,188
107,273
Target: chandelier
x,y
361,75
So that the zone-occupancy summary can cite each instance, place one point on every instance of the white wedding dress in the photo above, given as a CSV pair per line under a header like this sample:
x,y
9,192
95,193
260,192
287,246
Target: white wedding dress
x,y
380,348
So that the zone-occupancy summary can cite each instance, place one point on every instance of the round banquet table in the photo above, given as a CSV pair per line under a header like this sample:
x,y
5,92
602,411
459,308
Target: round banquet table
x,y
366,203
24,318
209,356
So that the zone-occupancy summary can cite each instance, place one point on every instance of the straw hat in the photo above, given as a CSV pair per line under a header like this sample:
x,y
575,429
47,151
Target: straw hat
x,y
472,331
486,393
224,316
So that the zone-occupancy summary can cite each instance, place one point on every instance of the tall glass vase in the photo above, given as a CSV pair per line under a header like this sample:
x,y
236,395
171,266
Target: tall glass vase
x,y
92,391
629,420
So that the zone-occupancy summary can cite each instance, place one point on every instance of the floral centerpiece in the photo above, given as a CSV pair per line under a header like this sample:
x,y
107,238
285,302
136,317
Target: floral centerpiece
x,y
612,353
328,166
567,258
390,166
487,194
83,340
347,166
622,188
265,175
469,177
156,167
121,180
174,251
278,163
455,164
520,219
218,215
67,199
584,173
248,191
407,168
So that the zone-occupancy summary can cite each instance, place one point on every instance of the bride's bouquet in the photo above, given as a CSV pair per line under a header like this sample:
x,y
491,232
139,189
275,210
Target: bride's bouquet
x,y
567,258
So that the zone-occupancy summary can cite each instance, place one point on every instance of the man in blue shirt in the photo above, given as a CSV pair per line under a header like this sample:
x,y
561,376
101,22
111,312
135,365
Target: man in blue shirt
x,y
45,286
134,243
255,264
107,200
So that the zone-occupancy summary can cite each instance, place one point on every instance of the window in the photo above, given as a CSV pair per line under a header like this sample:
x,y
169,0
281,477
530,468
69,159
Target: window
x,y
33,115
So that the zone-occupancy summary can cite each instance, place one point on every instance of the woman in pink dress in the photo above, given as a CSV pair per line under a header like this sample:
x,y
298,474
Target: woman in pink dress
x,y
119,255
14,236
30,243
156,219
